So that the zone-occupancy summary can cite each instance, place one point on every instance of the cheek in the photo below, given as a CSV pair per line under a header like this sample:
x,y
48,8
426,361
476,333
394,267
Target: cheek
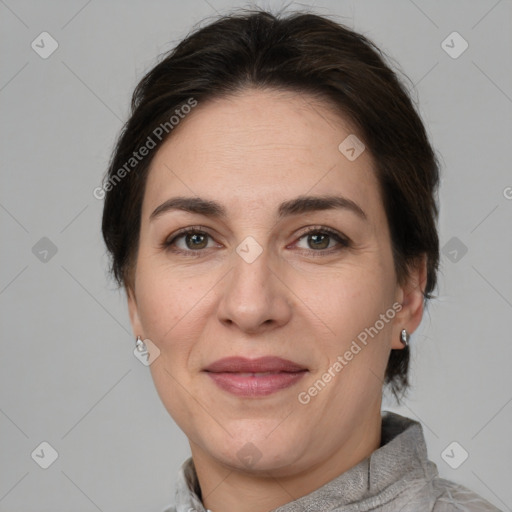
x,y
173,317
158,309
351,305
168,300
174,308
346,300
360,314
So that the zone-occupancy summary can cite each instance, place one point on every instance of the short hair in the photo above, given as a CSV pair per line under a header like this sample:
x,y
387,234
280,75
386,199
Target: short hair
x,y
298,52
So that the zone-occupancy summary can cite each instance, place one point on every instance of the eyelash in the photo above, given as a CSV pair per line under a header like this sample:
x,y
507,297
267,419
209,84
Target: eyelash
x,y
169,242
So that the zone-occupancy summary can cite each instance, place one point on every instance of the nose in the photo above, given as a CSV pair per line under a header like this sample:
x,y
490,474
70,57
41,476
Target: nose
x,y
255,297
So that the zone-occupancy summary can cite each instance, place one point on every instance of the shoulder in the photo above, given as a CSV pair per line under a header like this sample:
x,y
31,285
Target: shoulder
x,y
455,497
170,508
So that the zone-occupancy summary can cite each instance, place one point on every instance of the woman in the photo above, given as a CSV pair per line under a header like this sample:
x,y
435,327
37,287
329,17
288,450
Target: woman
x,y
271,211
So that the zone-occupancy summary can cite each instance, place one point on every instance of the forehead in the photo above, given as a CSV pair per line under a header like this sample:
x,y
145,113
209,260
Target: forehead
x,y
263,145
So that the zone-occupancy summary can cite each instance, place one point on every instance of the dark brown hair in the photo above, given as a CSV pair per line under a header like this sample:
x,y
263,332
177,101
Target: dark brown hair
x,y
299,52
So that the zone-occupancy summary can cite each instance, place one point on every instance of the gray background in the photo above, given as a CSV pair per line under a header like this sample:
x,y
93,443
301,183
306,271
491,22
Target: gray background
x,y
68,374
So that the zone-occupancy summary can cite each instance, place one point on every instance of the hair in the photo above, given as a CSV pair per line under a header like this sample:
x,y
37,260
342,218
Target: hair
x,y
302,53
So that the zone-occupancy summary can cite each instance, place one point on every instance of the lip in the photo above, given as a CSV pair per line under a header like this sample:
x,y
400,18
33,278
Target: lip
x,y
261,364
255,377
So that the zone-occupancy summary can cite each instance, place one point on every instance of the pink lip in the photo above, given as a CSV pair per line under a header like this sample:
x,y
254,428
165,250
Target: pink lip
x,y
261,364
232,374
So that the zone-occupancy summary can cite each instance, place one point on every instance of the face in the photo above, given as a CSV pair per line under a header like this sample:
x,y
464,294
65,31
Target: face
x,y
265,274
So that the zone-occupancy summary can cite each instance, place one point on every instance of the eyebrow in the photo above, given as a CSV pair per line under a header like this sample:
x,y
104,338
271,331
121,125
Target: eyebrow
x,y
297,206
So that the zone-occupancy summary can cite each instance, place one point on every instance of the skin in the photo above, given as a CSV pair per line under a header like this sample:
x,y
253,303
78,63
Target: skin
x,y
298,300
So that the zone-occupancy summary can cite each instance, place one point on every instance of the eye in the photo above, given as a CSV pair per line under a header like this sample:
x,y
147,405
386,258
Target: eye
x,y
188,240
193,240
322,239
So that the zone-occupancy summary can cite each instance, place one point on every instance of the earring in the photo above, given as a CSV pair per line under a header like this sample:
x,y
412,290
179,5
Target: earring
x,y
140,345
404,338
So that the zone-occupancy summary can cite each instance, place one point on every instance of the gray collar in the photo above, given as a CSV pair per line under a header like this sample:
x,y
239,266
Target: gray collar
x,y
401,458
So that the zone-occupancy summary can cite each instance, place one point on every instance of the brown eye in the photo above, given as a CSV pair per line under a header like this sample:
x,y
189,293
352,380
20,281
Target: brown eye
x,y
196,240
188,241
322,240
319,241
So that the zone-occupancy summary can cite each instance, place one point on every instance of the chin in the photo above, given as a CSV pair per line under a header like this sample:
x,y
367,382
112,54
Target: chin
x,y
257,452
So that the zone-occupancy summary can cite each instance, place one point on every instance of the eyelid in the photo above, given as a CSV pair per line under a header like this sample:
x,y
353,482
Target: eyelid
x,y
185,231
322,229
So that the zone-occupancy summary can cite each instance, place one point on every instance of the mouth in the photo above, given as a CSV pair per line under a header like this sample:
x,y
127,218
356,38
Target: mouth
x,y
255,377
267,364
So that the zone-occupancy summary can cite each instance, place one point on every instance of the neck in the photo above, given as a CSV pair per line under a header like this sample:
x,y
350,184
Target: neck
x,y
225,489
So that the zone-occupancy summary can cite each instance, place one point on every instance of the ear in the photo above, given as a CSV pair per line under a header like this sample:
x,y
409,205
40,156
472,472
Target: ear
x,y
133,311
410,296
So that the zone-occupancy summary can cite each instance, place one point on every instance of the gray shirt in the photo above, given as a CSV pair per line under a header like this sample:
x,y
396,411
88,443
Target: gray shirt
x,y
397,477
